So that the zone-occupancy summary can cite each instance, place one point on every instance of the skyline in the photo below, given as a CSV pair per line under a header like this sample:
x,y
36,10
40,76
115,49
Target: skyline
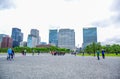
x,y
72,14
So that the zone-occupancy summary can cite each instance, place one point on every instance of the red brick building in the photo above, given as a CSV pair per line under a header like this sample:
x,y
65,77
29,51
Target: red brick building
x,y
6,42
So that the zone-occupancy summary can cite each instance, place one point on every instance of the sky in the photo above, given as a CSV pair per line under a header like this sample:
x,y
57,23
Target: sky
x,y
56,14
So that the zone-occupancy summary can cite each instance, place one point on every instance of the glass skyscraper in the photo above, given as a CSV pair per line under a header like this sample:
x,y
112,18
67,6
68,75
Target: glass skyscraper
x,y
1,38
31,41
17,36
35,33
66,38
53,37
33,38
89,36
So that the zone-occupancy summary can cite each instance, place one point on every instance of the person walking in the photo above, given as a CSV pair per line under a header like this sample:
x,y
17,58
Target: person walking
x,y
13,54
75,53
25,52
83,53
38,52
98,54
9,51
33,52
103,54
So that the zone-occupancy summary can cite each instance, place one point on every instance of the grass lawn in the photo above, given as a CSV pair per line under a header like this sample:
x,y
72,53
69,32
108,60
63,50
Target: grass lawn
x,y
85,54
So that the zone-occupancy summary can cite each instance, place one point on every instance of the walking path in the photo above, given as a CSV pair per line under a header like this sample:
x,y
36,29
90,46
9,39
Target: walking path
x,y
46,66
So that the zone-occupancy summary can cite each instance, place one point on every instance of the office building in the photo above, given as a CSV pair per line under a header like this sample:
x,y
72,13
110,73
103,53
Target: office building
x,y
6,42
35,33
66,38
31,41
53,37
23,44
43,43
17,36
1,37
89,36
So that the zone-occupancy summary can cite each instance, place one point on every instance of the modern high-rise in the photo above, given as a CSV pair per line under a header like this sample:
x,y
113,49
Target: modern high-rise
x,y
1,37
53,37
23,44
35,33
6,42
17,36
89,36
31,41
66,38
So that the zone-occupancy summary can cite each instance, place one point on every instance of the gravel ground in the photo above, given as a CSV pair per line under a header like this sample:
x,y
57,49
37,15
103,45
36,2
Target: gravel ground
x,y
46,66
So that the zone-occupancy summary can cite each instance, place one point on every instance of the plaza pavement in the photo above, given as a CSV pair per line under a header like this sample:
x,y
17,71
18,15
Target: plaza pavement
x,y
46,66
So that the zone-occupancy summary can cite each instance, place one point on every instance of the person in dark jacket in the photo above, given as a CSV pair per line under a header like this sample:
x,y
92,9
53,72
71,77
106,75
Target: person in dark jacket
x,y
103,54
38,52
13,53
33,52
98,54
25,52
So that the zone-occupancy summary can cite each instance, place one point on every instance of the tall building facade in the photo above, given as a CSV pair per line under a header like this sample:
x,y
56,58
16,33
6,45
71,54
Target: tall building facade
x,y
43,43
6,42
23,44
31,41
35,33
1,38
53,37
17,36
89,36
66,39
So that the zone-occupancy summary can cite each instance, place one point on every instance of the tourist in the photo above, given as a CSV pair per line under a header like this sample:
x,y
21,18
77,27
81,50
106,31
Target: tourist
x,y
98,54
75,53
25,52
83,53
103,54
9,51
13,53
33,52
38,52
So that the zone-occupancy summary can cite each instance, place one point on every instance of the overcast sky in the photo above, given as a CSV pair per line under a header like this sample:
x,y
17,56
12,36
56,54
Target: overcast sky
x,y
74,14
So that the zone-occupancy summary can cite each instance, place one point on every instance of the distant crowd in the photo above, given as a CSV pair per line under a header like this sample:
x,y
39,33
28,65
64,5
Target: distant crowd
x,y
11,53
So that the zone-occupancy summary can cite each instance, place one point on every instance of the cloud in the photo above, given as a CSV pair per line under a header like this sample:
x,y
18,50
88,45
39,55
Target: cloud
x,y
116,9
114,19
72,0
113,40
102,23
6,4
116,6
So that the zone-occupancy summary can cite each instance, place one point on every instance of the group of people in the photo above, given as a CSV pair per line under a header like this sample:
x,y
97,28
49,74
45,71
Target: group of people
x,y
11,54
33,52
24,52
98,54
